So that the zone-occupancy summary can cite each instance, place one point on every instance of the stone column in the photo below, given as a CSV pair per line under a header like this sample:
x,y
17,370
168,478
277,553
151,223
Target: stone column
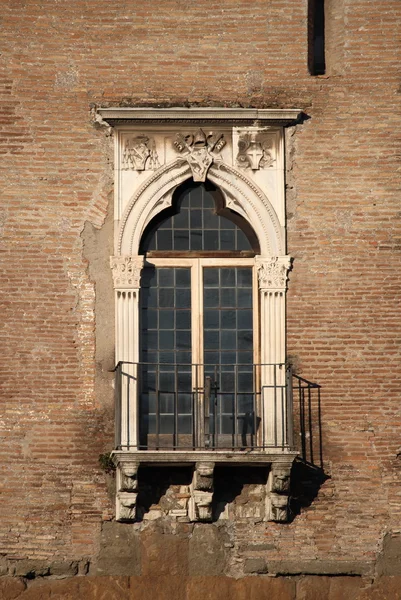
x,y
126,276
272,278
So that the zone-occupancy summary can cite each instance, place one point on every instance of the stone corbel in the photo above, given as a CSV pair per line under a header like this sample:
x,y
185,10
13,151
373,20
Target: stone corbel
x,y
200,505
126,271
278,490
127,491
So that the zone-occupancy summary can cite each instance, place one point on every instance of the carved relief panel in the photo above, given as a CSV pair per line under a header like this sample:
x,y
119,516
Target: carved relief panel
x,y
256,152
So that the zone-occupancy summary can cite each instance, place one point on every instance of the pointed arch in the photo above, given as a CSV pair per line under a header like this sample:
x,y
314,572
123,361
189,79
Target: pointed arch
x,y
240,195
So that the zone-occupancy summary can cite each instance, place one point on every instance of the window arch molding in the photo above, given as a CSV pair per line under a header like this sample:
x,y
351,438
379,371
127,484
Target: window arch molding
x,y
240,195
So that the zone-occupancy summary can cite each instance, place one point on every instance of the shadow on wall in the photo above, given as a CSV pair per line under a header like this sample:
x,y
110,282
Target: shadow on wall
x,y
306,481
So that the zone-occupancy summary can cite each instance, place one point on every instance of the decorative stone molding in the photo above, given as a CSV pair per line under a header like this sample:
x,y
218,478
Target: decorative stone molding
x,y
273,272
140,154
200,151
241,152
155,194
116,116
127,490
278,489
254,151
126,271
200,506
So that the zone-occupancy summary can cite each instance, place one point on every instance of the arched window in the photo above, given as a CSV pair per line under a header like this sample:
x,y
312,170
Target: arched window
x,y
200,273
198,222
198,323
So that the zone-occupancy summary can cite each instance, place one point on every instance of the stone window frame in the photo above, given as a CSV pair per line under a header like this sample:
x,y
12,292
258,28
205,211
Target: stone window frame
x,y
261,203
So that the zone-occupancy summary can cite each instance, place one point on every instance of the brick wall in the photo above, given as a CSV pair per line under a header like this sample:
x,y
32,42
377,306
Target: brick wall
x,y
59,60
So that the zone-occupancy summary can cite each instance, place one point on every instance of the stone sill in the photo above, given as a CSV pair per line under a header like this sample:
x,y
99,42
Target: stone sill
x,y
221,457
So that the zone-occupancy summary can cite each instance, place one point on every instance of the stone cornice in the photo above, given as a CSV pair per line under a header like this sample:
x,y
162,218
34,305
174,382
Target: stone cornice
x,y
268,116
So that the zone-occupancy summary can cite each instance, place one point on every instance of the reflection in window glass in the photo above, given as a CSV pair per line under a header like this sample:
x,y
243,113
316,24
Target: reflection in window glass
x,y
197,227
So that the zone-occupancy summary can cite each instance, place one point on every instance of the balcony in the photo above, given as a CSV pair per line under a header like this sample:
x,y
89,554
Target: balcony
x,y
171,414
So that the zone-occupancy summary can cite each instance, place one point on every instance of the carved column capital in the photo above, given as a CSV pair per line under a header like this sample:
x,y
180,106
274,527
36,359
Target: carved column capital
x,y
126,271
273,272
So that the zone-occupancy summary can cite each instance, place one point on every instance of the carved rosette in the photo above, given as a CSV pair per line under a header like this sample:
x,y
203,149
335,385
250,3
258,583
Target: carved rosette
x,y
199,150
126,271
273,272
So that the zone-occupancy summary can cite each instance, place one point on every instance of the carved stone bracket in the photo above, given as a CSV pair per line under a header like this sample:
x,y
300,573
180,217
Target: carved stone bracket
x,y
126,271
127,491
200,150
200,506
278,489
254,151
273,272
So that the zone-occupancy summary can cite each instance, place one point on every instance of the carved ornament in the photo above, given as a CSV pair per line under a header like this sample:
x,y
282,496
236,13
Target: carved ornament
x,y
199,150
254,151
273,272
127,491
126,271
139,154
278,508
278,492
202,492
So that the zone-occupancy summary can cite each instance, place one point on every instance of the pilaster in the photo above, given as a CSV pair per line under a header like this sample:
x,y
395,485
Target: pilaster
x,y
126,272
272,278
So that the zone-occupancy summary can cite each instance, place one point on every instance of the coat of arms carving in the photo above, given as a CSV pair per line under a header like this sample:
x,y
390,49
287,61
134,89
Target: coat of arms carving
x,y
140,154
199,150
254,151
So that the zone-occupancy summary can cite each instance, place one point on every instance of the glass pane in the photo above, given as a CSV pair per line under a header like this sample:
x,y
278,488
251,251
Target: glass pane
x,y
228,342
196,226
165,351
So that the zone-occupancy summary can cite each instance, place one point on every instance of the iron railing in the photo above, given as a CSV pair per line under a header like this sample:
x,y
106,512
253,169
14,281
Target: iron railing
x,y
168,406
307,418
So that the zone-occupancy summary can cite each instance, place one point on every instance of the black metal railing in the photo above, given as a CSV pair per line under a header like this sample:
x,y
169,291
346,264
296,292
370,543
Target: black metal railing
x,y
168,406
307,420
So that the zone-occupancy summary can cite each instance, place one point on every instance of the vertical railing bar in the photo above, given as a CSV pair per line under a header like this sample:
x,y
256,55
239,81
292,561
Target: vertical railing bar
x,y
117,402
175,435
215,426
128,409
236,406
138,393
319,416
275,403
193,405
302,418
262,404
290,426
283,423
254,406
157,407
310,423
